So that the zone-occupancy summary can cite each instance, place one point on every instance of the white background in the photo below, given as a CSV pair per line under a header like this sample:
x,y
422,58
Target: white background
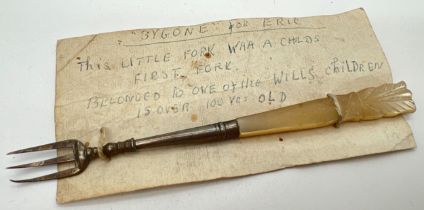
x,y
28,34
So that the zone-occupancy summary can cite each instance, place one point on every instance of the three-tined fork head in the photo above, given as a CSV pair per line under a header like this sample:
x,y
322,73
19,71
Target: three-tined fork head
x,y
81,157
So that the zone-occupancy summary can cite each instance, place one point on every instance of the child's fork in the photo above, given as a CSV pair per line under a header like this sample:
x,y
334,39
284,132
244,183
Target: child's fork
x,y
387,100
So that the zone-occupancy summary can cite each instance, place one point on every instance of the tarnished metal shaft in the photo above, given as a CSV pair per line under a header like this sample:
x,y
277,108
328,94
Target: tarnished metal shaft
x,y
214,132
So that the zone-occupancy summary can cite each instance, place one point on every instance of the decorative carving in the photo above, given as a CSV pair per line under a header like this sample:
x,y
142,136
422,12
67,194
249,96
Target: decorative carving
x,y
387,100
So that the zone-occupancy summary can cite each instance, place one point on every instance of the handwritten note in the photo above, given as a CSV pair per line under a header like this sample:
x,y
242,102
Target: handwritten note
x,y
139,83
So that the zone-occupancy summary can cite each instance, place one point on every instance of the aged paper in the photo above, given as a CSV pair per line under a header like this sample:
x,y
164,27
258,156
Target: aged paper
x,y
144,82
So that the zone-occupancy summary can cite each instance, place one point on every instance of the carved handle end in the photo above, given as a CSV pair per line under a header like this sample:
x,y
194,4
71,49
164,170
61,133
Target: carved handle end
x,y
387,100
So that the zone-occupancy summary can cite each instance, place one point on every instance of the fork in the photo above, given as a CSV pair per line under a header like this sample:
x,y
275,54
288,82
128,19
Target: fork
x,y
387,100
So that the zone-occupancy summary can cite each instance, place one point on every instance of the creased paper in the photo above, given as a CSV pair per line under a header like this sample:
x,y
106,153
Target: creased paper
x,y
139,83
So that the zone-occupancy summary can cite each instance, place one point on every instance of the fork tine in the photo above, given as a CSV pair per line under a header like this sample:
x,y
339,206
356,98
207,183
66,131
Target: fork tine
x,y
57,175
61,159
55,145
